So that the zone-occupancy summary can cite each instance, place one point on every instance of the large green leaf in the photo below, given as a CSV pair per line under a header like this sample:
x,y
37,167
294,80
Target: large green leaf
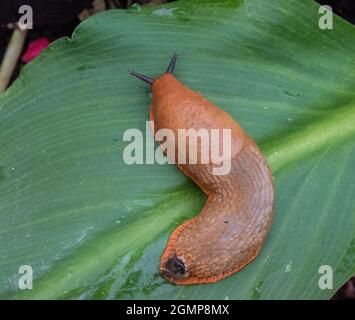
x,y
93,227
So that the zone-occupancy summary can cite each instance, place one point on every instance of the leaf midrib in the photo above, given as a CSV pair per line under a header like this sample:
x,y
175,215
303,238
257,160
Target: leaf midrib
x,y
331,129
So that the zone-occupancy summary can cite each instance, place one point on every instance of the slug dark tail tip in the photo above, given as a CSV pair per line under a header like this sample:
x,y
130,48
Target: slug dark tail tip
x,y
141,77
175,267
171,66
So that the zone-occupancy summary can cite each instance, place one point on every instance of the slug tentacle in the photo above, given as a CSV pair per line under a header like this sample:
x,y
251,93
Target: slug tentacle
x,y
149,80
141,77
171,65
230,230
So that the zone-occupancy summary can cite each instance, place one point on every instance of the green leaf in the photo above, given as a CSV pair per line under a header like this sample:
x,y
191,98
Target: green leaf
x,y
92,226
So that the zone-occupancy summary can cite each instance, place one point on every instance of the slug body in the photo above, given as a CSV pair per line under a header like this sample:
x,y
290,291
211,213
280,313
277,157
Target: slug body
x,y
232,227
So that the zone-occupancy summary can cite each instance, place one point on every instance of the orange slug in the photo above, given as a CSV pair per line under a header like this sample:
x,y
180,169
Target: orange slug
x,y
232,227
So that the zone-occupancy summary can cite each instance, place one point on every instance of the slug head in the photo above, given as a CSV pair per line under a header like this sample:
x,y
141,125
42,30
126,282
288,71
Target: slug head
x,y
150,80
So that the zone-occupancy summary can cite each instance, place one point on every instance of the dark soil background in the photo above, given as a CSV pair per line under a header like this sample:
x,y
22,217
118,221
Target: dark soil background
x,y
343,8
54,19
